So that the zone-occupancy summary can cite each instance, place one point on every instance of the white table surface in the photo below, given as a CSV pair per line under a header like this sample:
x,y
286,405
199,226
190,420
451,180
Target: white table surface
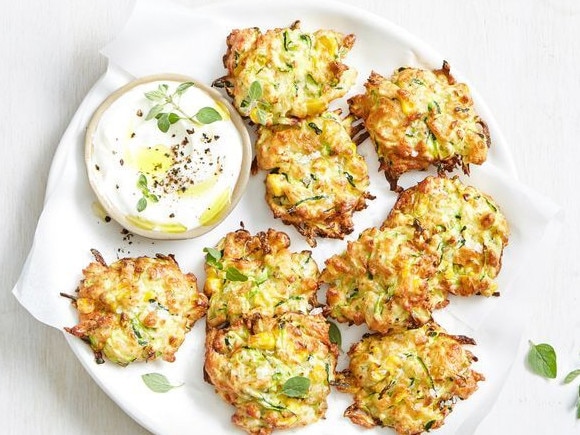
x,y
523,57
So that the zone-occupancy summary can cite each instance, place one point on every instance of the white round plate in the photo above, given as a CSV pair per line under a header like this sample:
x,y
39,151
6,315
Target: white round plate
x,y
194,407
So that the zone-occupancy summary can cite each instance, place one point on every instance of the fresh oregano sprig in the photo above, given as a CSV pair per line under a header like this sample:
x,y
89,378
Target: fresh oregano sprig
x,y
167,110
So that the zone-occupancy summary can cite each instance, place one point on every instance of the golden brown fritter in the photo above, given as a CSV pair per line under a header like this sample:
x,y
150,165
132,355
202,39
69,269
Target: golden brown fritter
x,y
410,380
286,74
441,237
317,179
417,118
136,309
276,371
249,275
464,225
382,280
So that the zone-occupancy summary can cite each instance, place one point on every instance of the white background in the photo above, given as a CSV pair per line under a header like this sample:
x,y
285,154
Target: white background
x,y
524,59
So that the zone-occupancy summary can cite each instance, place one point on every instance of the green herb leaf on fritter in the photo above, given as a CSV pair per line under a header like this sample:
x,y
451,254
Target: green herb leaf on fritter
x,y
213,257
255,91
234,274
334,334
297,386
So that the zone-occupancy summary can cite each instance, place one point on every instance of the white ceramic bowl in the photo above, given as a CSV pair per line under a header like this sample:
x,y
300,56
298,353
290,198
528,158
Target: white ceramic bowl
x,y
167,157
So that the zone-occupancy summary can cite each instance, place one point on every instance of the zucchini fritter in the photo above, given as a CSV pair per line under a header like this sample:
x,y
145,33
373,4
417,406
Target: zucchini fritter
x,y
258,275
276,371
409,380
381,280
286,74
464,225
317,179
136,309
418,118
441,237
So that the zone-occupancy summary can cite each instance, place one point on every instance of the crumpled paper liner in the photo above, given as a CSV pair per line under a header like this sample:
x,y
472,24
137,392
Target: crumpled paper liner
x,y
192,41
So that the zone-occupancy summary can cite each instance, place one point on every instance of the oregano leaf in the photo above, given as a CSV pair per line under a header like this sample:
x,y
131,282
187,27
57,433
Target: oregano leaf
x,y
255,91
142,182
207,115
334,334
158,382
297,386
213,253
163,122
213,257
571,376
234,274
152,197
156,95
154,111
183,87
173,118
262,116
542,360
141,204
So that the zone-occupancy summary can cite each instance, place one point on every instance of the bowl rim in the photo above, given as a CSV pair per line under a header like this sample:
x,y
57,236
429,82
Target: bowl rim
x,y
114,212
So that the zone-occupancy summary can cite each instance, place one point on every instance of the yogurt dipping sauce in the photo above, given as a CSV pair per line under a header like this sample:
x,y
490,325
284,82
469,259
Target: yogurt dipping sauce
x,y
167,158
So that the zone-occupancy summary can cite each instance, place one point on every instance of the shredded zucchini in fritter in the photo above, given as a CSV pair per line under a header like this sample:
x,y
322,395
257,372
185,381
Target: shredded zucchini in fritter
x,y
316,179
417,118
410,380
286,74
136,309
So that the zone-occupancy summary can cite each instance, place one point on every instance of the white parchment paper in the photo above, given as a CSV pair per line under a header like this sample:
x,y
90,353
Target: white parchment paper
x,y
169,37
